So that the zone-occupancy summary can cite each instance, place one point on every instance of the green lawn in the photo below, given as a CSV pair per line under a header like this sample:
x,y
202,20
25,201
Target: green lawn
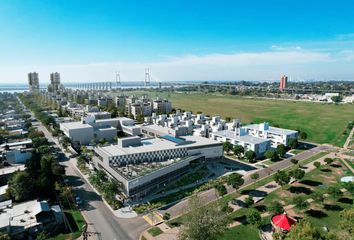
x,y
268,162
324,123
76,222
350,162
155,231
248,232
297,151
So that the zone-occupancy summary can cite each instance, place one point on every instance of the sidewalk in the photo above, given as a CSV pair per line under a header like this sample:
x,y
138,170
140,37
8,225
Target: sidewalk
x,y
349,138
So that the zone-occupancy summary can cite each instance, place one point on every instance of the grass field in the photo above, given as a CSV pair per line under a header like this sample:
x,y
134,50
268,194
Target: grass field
x,y
324,123
155,231
239,232
76,221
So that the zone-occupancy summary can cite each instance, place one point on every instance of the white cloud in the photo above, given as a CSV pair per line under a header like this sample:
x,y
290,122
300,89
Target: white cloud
x,y
286,48
346,36
266,65
198,67
347,55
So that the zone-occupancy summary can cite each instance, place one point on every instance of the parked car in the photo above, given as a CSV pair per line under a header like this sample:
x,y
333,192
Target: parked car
x,y
78,201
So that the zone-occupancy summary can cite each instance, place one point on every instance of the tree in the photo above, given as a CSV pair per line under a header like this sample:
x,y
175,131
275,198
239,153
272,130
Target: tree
x,y
227,147
276,207
65,195
317,164
294,161
299,201
303,135
336,99
254,217
235,180
293,143
140,118
65,141
318,196
347,221
249,201
44,149
42,236
221,189
4,236
281,150
254,176
35,134
39,141
251,156
303,230
297,174
329,161
282,178
238,150
228,119
58,169
166,216
272,155
203,223
20,186
334,191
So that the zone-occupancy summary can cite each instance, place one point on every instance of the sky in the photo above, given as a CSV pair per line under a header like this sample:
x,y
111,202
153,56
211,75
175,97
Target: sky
x,y
178,40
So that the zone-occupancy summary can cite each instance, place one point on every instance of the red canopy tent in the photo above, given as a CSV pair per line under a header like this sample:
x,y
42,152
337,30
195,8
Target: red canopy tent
x,y
283,222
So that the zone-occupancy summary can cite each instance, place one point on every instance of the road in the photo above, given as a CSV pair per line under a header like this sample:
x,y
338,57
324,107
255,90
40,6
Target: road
x,y
95,211
210,195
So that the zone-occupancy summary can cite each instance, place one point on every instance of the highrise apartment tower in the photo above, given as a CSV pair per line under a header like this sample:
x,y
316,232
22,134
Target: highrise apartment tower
x,y
283,82
54,82
33,82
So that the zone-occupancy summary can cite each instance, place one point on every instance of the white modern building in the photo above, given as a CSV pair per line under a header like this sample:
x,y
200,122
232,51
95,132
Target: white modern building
x,y
239,137
162,106
275,135
91,129
143,165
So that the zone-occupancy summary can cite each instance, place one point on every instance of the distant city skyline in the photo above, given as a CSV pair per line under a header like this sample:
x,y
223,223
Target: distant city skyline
x,y
88,41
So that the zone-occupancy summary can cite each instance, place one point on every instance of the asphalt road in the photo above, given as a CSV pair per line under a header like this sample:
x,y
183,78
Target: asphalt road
x,y
99,217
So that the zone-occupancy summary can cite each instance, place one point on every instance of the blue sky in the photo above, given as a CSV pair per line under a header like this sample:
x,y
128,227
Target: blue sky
x,y
179,40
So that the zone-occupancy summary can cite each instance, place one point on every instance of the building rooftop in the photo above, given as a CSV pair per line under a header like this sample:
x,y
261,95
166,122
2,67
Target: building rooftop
x,y
157,144
18,143
75,125
275,130
245,138
23,214
157,128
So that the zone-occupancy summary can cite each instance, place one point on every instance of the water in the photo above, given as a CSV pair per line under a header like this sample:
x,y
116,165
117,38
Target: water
x,y
12,88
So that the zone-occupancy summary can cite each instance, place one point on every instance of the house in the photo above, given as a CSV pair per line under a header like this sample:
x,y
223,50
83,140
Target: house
x,y
26,220
275,135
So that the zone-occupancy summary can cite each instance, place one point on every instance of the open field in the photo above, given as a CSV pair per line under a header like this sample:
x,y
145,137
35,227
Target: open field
x,y
324,123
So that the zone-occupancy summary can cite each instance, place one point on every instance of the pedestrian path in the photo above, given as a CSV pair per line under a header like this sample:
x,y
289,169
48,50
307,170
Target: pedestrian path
x,y
153,218
347,142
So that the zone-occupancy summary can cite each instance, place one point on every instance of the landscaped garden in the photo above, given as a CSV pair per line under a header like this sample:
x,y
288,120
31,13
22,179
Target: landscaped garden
x,y
308,198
